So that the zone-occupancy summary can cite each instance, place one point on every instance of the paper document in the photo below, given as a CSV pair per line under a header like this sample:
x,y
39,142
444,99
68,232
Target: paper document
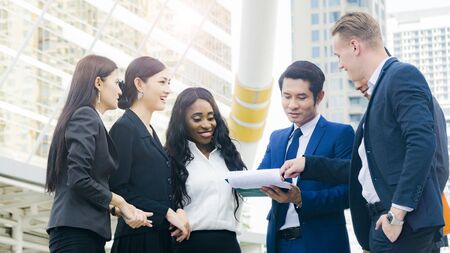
x,y
255,179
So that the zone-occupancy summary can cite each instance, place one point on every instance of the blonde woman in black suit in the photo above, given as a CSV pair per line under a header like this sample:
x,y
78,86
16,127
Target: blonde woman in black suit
x,y
81,158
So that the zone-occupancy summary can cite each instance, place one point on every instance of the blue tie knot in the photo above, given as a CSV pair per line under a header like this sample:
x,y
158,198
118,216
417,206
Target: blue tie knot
x,y
292,151
297,133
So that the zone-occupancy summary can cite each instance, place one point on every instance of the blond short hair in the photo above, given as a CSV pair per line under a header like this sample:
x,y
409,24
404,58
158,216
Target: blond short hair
x,y
359,25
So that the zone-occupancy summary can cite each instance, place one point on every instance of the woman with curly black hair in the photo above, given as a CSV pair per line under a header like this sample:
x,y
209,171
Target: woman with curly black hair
x,y
202,153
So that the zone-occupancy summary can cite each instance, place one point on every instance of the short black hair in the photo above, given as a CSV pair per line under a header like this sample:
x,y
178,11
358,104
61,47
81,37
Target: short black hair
x,y
306,71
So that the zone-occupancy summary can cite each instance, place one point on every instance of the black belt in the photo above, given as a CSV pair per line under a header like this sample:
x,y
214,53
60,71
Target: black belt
x,y
376,209
290,233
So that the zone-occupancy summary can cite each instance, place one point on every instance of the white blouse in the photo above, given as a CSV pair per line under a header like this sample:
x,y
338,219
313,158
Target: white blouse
x,y
212,200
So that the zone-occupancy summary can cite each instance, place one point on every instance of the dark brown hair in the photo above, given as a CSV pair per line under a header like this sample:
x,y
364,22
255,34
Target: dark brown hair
x,y
177,142
82,92
143,68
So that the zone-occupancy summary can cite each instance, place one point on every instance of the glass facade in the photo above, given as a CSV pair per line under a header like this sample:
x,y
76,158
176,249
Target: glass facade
x,y
38,54
36,73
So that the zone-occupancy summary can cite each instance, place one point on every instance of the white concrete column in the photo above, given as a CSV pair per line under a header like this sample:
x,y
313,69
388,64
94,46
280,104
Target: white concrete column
x,y
253,85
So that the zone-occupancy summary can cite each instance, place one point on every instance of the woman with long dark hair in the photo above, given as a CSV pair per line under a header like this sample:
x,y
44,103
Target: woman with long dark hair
x,y
202,153
144,175
80,160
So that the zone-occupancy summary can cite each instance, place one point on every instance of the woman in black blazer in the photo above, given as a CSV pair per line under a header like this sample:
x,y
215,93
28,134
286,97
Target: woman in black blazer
x,y
144,175
81,158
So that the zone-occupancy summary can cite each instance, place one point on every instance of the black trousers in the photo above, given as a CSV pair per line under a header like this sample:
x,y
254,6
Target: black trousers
x,y
420,241
209,241
75,240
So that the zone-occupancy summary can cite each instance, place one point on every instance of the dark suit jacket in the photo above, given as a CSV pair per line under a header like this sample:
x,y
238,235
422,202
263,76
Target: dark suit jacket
x,y
144,176
441,154
82,194
400,147
322,213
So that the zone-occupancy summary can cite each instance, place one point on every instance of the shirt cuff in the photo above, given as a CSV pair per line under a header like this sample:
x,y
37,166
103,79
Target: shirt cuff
x,y
404,208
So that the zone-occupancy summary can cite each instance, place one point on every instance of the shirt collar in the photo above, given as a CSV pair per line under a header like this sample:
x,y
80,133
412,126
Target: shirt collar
x,y
307,128
376,74
193,148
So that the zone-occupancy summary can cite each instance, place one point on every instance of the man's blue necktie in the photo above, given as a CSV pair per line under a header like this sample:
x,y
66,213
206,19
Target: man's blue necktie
x,y
291,153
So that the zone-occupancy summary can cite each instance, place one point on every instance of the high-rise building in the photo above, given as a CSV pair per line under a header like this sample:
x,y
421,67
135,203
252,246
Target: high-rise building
x,y
312,21
40,43
422,38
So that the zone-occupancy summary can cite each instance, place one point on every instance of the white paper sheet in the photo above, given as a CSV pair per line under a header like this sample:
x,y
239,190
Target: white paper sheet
x,y
251,179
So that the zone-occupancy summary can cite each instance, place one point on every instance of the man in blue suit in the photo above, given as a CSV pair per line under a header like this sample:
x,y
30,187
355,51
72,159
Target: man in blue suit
x,y
394,191
310,216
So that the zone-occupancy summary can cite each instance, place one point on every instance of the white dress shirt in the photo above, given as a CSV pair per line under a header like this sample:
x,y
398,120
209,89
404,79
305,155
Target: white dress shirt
x,y
364,177
212,200
307,130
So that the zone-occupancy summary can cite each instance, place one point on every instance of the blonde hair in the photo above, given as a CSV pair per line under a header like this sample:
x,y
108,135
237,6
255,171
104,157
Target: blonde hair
x,y
359,25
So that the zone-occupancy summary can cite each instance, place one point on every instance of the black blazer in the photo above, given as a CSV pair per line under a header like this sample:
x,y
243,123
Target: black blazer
x,y
400,146
82,194
144,175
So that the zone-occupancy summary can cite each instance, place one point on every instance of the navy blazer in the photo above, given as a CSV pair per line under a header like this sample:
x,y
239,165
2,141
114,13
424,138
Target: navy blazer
x,y
322,214
144,175
400,146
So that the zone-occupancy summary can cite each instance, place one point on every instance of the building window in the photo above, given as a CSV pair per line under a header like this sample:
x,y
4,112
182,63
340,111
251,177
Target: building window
x,y
334,67
315,19
360,3
357,101
334,16
314,3
355,117
315,35
315,52
333,3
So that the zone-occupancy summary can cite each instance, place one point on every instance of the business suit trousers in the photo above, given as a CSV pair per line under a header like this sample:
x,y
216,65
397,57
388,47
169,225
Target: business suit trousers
x,y
75,240
290,246
208,241
420,241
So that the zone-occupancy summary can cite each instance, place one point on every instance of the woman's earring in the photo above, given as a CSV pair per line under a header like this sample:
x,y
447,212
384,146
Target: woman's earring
x,y
98,98
140,95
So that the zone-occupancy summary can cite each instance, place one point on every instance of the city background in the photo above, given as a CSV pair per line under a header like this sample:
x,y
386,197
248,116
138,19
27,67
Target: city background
x,y
201,42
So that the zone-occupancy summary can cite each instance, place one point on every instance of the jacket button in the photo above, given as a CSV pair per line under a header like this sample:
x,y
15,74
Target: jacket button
x,y
169,180
170,197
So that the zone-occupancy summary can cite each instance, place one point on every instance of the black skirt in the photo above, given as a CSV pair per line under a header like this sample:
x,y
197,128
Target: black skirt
x,y
75,240
148,242
209,241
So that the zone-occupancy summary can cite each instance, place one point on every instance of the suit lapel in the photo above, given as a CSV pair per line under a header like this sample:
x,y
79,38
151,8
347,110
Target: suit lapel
x,y
377,85
316,136
144,133
157,144
281,146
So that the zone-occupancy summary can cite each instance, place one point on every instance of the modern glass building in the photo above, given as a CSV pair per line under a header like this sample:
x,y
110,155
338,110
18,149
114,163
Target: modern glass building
x,y
422,38
312,21
40,43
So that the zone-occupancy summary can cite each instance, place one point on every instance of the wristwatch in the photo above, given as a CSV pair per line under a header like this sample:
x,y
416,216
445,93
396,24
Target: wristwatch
x,y
298,205
392,220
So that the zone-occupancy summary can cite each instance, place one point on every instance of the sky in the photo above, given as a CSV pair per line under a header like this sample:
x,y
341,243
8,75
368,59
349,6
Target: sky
x,y
276,118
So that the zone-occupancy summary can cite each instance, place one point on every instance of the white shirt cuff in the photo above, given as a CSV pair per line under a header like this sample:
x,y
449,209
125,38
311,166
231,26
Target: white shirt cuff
x,y
404,208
